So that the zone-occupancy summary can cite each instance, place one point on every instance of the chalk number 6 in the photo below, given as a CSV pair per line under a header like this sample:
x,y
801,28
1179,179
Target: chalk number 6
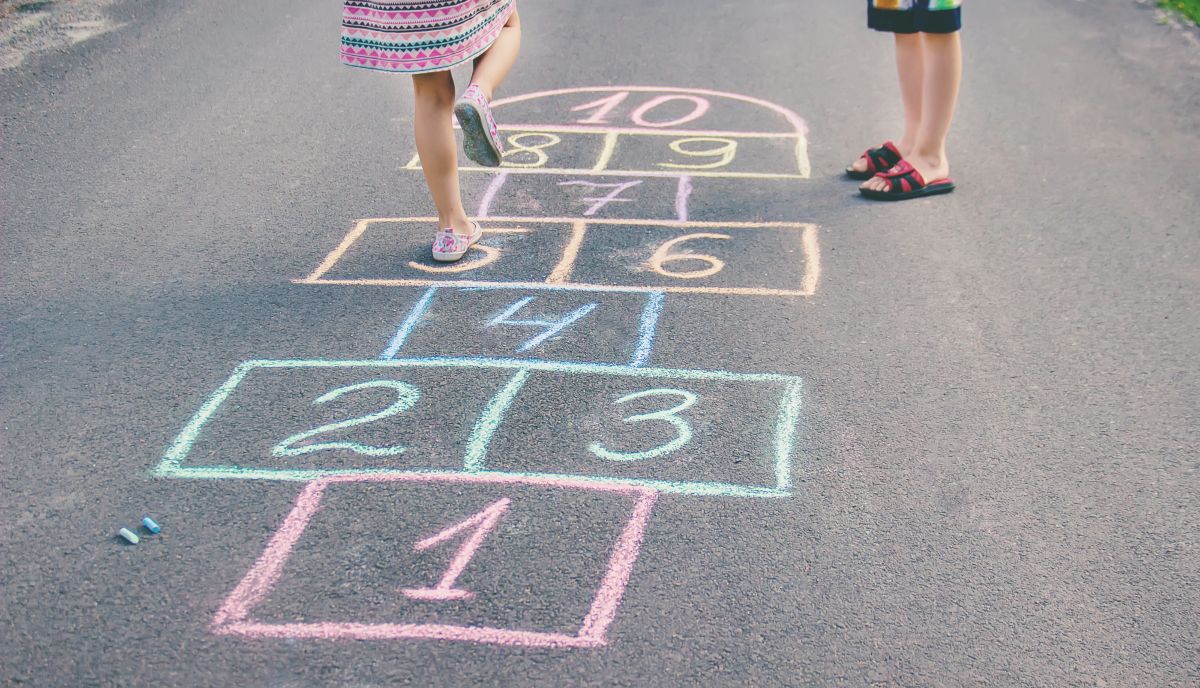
x,y
663,255
683,429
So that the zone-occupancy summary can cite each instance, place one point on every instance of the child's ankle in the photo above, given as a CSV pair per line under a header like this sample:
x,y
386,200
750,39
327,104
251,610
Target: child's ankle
x,y
483,90
461,224
936,159
930,165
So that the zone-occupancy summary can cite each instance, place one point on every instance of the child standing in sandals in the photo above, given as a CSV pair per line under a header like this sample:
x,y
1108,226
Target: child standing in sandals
x,y
426,38
929,60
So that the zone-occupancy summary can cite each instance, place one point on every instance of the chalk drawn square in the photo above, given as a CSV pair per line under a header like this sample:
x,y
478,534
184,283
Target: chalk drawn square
x,y
762,258
242,613
723,436
304,422
395,252
548,325
737,155
536,150
586,196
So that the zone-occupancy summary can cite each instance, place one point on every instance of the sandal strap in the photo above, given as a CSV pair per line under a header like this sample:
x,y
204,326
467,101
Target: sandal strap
x,y
882,158
903,178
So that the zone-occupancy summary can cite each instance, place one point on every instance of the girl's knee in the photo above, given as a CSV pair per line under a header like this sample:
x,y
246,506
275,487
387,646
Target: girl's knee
x,y
434,87
514,20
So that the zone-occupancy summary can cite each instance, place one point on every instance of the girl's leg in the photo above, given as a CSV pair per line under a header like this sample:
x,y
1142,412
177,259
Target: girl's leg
x,y
910,65
943,73
492,66
434,130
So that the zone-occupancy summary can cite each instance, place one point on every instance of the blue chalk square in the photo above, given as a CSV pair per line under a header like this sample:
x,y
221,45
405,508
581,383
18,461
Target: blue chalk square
x,y
583,326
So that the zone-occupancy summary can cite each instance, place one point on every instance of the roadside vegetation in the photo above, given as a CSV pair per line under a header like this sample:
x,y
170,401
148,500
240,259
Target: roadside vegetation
x,y
1188,8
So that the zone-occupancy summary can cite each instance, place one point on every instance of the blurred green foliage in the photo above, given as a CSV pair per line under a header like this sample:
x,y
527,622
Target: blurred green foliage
x,y
1189,8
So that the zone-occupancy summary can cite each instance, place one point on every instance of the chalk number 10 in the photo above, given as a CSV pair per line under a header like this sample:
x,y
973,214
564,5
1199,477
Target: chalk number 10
x,y
604,107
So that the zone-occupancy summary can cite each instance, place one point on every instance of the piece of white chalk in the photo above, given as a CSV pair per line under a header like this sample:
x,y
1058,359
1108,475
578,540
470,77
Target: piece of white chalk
x,y
128,535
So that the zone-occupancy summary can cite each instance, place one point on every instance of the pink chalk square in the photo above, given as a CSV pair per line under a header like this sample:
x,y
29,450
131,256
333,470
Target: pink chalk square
x,y
235,615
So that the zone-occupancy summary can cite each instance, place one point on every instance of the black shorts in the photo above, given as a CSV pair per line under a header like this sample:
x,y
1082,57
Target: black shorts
x,y
915,16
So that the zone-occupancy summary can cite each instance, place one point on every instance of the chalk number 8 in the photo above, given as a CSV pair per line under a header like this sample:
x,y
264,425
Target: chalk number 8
x,y
538,150
683,429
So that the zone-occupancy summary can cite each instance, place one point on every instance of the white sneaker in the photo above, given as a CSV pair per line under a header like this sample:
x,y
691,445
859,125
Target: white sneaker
x,y
449,246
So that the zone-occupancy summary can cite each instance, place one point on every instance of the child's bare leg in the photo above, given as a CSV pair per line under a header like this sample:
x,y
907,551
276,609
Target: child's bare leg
x,y
943,73
434,130
492,66
910,65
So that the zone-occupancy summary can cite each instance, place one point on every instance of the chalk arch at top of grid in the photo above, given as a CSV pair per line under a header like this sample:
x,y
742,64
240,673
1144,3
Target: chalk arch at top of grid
x,y
651,131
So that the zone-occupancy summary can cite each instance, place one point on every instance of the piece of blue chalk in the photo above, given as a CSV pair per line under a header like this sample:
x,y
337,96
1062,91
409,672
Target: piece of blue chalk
x,y
128,535
151,525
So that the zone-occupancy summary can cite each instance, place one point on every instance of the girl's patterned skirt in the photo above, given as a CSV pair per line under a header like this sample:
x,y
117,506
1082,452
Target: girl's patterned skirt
x,y
415,37
915,16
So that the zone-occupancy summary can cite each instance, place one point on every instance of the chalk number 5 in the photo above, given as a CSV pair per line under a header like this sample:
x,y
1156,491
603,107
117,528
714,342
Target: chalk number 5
x,y
683,429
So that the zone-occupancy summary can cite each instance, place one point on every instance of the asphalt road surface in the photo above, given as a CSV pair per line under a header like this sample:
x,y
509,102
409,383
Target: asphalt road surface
x,y
732,426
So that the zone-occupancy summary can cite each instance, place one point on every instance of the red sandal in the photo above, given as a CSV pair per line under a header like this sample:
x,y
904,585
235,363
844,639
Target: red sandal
x,y
879,160
905,182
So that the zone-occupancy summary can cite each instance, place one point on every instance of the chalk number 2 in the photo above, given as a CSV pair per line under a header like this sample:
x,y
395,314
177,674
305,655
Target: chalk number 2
x,y
683,429
406,398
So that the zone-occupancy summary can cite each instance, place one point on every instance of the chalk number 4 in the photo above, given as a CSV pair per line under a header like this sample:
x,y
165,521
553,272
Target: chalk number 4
x,y
683,429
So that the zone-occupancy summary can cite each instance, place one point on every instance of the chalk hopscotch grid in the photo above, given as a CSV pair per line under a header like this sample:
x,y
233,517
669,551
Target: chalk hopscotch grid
x,y
233,618
808,243
787,421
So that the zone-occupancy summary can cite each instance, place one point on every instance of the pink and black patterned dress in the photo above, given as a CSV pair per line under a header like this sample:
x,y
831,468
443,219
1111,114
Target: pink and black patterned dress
x,y
415,37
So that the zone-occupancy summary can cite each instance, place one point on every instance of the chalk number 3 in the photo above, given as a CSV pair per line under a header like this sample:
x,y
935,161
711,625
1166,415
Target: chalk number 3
x,y
683,429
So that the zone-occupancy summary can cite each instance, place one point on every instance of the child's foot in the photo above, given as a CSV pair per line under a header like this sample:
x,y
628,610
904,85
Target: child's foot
x,y
449,246
481,136
874,161
906,180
